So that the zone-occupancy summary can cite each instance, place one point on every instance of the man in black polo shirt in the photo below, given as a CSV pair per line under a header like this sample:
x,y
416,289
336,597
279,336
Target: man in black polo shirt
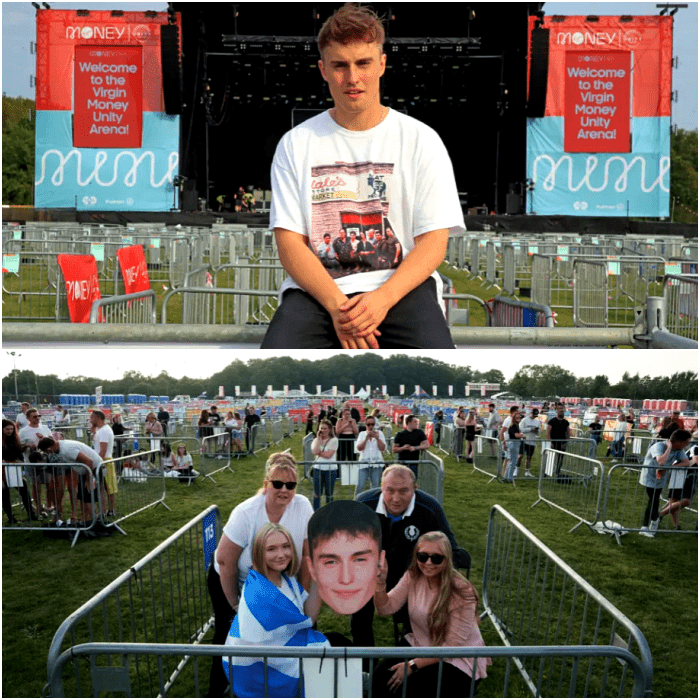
x,y
405,514
409,443
250,420
558,434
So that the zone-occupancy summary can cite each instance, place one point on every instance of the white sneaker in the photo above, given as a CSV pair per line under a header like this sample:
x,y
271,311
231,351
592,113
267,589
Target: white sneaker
x,y
654,525
646,532
527,473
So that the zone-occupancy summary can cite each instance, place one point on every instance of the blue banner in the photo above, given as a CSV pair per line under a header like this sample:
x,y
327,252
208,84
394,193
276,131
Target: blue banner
x,y
600,184
209,537
110,179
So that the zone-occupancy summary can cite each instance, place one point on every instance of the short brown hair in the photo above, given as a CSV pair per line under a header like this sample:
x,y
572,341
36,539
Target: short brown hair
x,y
351,22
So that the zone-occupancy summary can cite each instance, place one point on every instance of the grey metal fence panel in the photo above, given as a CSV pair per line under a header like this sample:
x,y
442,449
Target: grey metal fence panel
x,y
509,270
590,294
573,484
541,279
533,598
215,453
626,501
163,598
681,305
488,458
139,307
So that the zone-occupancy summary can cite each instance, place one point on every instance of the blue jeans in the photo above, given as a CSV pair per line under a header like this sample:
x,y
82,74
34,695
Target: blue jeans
x,y
323,480
617,448
367,471
514,453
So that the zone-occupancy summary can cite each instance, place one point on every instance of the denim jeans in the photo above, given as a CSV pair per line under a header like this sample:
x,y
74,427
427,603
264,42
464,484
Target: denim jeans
x,y
367,471
323,480
514,453
617,448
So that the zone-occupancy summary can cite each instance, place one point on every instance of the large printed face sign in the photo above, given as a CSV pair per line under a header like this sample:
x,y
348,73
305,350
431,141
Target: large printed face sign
x,y
345,544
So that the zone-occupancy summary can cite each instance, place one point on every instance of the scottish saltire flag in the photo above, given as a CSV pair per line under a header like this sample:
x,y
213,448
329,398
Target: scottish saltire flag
x,y
267,617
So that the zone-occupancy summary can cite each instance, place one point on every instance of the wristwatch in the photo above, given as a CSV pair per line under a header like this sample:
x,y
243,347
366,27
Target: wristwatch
x,y
412,665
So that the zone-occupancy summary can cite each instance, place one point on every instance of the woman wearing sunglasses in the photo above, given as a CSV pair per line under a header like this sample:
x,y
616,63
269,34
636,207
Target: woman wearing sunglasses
x,y
443,610
276,502
324,447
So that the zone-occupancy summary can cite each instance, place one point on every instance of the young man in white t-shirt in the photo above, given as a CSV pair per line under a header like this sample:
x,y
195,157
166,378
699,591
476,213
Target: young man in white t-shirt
x,y
356,168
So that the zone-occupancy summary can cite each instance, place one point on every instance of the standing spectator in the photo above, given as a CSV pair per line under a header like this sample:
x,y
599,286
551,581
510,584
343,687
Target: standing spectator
x,y
631,420
354,413
21,419
346,430
57,414
370,445
505,440
438,420
654,477
471,427
103,444
214,416
154,430
530,428
493,425
681,488
29,436
12,452
515,437
276,502
676,418
118,430
164,419
595,431
234,425
324,447
251,420
667,428
409,443
558,433
460,429
617,449
405,513
309,422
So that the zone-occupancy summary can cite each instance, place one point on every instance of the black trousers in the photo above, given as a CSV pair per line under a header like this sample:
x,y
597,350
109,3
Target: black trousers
x,y
417,321
223,616
652,510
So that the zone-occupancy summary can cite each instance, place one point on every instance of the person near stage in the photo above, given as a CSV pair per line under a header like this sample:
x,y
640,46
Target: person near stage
x,y
471,427
30,435
405,513
276,502
370,445
12,452
595,432
103,444
530,428
412,198
443,609
409,443
324,447
515,441
559,432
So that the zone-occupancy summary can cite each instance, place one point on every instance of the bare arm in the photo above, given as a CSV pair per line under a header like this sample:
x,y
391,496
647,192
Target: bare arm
x,y
362,314
312,606
304,574
227,555
309,273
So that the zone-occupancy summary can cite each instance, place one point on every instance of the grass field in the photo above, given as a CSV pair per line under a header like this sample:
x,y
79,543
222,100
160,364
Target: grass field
x,y
651,581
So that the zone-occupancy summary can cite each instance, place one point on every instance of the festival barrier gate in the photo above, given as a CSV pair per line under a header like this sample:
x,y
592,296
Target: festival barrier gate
x,y
277,430
590,289
213,449
636,448
625,502
488,458
573,484
149,656
163,598
258,437
54,481
140,486
534,598
139,307
681,305
446,437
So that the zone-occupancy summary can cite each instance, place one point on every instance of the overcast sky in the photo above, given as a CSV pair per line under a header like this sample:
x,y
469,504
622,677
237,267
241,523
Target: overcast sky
x,y
19,28
200,363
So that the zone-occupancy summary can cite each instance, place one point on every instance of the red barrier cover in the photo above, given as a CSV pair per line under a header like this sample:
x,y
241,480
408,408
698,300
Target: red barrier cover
x,y
108,97
82,285
134,271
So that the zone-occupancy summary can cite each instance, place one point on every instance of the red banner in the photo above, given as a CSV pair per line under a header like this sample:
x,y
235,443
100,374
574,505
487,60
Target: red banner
x,y
597,107
108,97
134,271
82,285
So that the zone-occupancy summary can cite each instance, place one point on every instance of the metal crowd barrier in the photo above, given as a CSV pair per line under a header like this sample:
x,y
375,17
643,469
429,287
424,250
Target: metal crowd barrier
x,y
52,481
681,305
625,502
139,307
215,454
488,457
590,288
140,485
163,598
534,598
523,581
519,314
573,484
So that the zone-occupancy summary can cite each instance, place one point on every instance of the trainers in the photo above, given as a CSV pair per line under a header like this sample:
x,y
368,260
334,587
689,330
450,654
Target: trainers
x,y
527,473
646,532
654,525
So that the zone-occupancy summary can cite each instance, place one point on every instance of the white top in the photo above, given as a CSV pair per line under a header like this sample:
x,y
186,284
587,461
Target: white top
x,y
506,425
68,450
395,176
494,421
371,453
182,461
530,428
104,434
326,463
248,517
21,420
31,436
620,429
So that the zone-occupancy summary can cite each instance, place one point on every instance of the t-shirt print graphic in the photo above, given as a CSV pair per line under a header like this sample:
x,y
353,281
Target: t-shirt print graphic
x,y
351,231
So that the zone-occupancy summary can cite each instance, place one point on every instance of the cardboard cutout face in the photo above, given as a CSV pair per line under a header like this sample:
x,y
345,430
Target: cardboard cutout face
x,y
345,570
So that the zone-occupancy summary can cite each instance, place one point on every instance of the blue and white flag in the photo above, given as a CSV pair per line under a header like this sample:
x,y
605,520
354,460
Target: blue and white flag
x,y
268,617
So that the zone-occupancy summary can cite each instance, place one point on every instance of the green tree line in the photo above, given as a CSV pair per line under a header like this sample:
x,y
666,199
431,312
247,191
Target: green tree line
x,y
18,118
530,381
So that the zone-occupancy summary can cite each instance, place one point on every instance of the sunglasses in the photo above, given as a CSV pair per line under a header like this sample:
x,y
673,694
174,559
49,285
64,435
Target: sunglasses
x,y
435,558
291,485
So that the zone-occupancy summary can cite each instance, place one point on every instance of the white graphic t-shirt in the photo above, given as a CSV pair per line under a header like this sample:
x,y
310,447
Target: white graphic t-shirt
x,y
361,197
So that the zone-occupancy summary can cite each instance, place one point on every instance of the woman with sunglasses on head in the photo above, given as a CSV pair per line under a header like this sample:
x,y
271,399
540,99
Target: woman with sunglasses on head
x,y
324,447
276,502
443,610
